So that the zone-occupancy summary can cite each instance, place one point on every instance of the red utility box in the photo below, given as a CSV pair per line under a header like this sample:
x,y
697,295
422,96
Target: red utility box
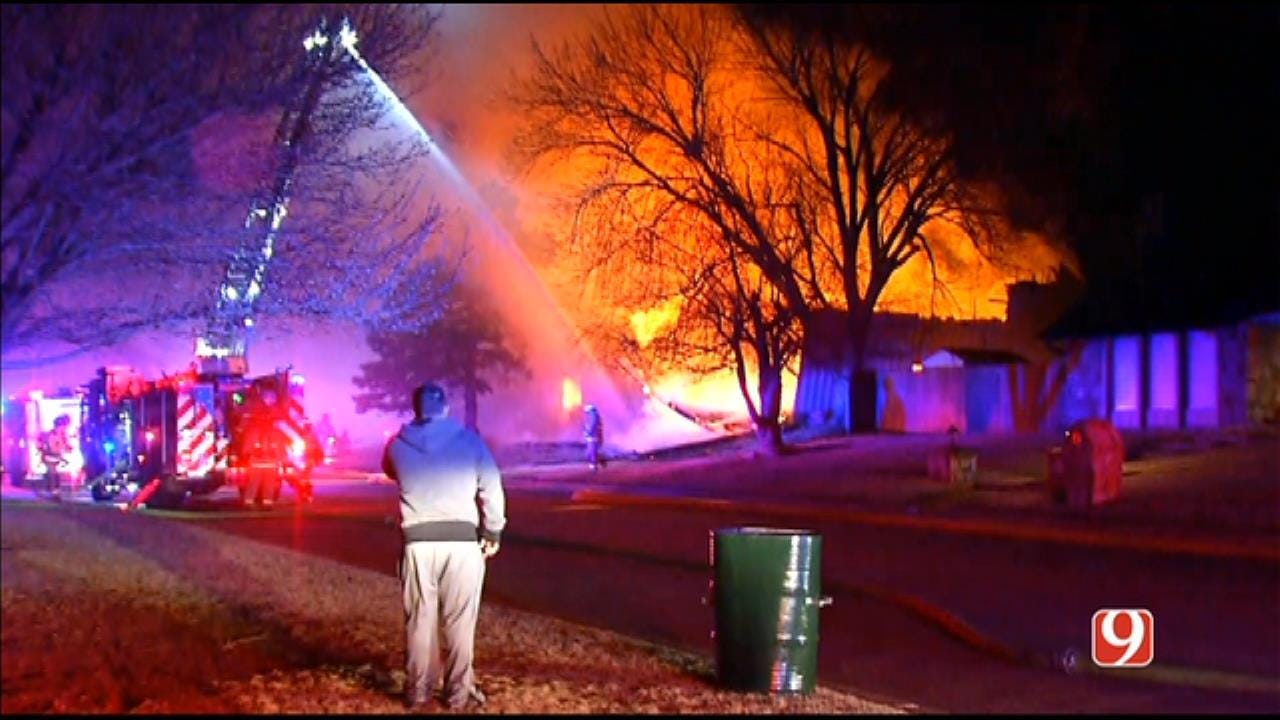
x,y
1086,470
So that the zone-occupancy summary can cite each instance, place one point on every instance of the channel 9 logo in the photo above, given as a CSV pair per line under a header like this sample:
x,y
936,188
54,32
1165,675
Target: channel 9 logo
x,y
1124,638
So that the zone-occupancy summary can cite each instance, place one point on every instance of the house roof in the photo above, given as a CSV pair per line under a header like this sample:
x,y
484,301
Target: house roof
x,y
1098,319
988,357
900,339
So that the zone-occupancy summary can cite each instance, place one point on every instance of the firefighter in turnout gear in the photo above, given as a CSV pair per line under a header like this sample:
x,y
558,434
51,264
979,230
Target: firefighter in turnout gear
x,y
305,461
55,451
593,433
263,449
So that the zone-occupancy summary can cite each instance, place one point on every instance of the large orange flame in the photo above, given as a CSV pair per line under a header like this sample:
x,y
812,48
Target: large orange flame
x,y
570,394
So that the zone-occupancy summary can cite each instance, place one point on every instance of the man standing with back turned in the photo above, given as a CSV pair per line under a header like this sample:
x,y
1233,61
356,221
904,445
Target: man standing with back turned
x,y
441,467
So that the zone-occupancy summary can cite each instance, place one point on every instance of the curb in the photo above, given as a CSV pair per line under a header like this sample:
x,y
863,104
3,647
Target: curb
x,y
202,514
991,528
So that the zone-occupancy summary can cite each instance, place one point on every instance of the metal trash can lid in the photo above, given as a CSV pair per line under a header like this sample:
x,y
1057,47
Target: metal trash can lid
x,y
763,531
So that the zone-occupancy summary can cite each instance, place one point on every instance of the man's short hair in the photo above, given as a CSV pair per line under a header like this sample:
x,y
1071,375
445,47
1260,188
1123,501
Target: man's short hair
x,y
429,401
62,420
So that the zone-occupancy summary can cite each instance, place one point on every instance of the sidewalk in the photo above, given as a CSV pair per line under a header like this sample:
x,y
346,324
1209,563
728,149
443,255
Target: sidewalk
x,y
1217,495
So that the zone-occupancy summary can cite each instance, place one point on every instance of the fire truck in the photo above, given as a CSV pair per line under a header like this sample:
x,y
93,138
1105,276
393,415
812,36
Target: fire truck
x,y
210,425
192,433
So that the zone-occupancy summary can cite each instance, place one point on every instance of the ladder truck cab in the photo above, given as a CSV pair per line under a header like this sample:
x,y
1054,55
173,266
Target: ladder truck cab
x,y
192,433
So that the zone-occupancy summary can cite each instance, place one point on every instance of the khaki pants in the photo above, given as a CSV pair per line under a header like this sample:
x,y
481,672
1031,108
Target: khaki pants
x,y
441,581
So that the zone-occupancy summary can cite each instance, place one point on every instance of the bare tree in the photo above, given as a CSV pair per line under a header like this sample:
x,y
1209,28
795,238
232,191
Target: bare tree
x,y
879,188
777,141
754,332
136,140
727,315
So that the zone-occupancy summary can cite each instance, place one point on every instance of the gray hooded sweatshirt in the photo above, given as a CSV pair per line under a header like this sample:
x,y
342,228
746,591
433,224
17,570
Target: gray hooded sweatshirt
x,y
440,466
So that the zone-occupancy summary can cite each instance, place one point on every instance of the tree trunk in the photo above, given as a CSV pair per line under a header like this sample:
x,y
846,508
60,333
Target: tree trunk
x,y
1026,386
472,408
768,429
862,383
470,396
769,439
1032,398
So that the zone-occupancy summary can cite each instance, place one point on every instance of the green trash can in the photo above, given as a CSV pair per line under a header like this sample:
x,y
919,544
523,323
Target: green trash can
x,y
766,593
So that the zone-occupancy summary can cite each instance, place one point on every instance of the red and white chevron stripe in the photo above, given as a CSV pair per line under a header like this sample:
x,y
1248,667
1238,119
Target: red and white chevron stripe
x,y
197,444
220,453
291,427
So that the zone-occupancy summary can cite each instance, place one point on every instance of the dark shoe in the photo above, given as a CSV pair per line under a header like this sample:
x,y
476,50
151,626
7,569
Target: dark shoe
x,y
414,702
473,699
418,698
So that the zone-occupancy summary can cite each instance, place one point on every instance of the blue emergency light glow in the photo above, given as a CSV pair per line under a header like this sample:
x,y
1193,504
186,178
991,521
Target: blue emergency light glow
x,y
109,446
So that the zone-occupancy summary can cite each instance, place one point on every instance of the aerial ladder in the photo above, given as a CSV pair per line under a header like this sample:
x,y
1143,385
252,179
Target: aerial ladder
x,y
222,349
211,425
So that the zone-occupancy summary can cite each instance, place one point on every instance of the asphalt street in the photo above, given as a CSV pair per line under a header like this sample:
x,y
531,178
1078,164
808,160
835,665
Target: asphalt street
x,y
923,617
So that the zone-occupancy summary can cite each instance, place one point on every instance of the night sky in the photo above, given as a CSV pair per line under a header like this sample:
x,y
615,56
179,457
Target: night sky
x,y
1144,133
